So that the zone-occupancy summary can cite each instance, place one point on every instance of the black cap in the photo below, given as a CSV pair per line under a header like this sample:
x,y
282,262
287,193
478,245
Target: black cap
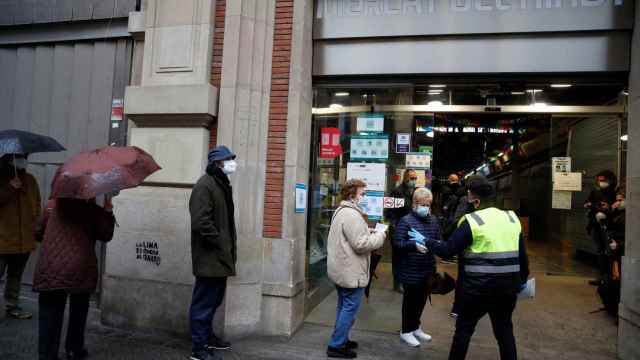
x,y
480,186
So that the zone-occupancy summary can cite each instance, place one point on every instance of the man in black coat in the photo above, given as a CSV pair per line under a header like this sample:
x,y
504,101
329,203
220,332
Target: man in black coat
x,y
213,249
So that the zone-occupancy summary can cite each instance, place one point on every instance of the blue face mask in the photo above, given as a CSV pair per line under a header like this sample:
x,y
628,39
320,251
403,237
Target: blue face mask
x,y
362,203
422,211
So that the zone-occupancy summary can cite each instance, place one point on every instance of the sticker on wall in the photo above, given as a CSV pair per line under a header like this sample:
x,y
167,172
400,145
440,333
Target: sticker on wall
x,y
403,143
374,174
301,198
330,143
370,123
364,147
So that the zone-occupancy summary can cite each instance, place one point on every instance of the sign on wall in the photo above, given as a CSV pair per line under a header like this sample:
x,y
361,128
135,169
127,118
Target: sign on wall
x,y
374,174
369,147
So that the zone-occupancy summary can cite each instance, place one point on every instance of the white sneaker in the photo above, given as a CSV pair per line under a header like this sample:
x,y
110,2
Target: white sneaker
x,y
410,339
421,335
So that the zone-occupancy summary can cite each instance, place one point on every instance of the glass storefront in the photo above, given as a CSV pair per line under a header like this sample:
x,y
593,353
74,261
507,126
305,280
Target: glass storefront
x,y
376,133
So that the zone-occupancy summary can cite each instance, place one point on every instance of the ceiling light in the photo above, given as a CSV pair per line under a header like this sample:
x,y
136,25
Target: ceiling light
x,y
335,106
624,137
437,86
517,93
343,93
561,86
534,90
435,103
540,104
435,92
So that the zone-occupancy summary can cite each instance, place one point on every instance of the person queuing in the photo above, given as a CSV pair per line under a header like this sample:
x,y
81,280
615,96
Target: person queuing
x,y
599,205
67,268
213,249
20,209
349,248
403,191
495,267
416,265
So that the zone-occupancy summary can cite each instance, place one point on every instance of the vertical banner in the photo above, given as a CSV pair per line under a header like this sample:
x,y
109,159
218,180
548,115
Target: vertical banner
x,y
330,143
301,198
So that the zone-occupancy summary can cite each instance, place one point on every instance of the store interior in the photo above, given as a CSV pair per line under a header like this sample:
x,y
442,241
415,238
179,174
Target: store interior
x,y
515,151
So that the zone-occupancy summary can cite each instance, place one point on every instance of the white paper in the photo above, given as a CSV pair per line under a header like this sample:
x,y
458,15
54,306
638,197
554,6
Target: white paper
x,y
370,123
301,198
381,227
561,164
418,161
529,292
567,181
374,174
561,200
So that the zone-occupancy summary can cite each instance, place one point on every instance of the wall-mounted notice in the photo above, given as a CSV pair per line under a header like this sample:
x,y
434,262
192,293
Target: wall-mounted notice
x,y
369,147
374,174
561,200
418,161
375,204
567,181
403,143
561,164
330,143
301,198
370,123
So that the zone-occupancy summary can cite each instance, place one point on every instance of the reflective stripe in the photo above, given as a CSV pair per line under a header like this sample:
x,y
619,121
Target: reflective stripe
x,y
492,269
493,255
510,217
477,218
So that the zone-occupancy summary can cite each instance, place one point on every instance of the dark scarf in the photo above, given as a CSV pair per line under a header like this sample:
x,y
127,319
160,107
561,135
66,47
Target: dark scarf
x,y
222,179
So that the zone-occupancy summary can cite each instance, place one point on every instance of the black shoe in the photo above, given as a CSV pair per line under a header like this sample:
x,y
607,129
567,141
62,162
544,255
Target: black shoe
x,y
342,353
216,343
77,355
351,345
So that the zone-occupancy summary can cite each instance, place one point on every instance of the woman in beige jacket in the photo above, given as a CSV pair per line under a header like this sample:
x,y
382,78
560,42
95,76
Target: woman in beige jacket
x,y
349,249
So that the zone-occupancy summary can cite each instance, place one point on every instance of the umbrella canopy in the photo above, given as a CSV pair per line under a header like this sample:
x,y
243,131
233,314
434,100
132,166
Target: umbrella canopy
x,y
103,171
23,142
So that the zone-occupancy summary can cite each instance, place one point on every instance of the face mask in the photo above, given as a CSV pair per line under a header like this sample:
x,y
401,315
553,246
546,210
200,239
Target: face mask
x,y
411,183
20,163
229,167
422,211
604,184
362,203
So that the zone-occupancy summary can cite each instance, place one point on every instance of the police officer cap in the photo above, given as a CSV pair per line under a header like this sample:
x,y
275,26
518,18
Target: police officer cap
x,y
479,185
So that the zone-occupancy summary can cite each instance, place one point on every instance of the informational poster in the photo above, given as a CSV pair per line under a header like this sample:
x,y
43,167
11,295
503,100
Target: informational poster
x,y
375,204
561,164
301,198
370,123
561,200
567,181
403,143
117,110
418,161
374,174
330,143
369,147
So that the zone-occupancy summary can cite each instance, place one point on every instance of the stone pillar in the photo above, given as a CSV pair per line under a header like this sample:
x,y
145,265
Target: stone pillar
x,y
629,328
242,126
148,277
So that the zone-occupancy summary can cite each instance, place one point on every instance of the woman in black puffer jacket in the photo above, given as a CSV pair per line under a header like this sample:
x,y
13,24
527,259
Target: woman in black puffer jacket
x,y
416,264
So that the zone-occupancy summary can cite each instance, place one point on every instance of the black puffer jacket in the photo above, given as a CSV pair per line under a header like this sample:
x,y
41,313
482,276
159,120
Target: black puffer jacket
x,y
213,229
412,266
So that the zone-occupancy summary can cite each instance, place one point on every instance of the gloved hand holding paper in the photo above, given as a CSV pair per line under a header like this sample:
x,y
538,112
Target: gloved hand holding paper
x,y
416,236
529,290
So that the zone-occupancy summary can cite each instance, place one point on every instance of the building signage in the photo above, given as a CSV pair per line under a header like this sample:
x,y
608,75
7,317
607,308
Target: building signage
x,y
336,19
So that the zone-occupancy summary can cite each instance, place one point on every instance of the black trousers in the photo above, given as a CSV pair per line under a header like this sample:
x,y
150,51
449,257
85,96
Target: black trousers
x,y
208,294
51,305
413,302
471,310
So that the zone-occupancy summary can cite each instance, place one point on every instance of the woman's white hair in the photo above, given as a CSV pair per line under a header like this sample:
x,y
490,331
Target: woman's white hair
x,y
422,193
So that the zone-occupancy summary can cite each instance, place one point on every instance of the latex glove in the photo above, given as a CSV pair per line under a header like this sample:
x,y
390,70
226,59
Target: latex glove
x,y
416,236
421,248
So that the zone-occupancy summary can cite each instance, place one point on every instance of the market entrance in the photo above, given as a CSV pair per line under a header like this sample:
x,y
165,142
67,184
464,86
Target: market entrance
x,y
517,150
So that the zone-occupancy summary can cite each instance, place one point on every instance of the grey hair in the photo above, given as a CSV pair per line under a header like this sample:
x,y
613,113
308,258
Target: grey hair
x,y
422,193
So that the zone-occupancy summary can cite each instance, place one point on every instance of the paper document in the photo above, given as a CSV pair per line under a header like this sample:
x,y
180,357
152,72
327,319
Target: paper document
x,y
529,291
381,227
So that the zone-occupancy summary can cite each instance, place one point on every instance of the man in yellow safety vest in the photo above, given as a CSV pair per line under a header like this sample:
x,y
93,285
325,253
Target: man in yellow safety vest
x,y
493,268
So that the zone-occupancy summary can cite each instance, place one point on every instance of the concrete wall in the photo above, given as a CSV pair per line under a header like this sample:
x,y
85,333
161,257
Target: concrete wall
x,y
629,329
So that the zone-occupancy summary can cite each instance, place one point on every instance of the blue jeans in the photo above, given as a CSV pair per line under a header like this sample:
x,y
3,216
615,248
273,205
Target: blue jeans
x,y
208,293
349,301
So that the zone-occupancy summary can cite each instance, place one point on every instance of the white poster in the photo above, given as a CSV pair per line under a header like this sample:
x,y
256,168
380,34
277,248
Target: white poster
x,y
370,123
561,200
374,174
561,164
567,181
301,198
375,204
418,161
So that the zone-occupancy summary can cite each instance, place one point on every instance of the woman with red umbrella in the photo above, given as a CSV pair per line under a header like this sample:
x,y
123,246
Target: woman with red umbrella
x,y
79,214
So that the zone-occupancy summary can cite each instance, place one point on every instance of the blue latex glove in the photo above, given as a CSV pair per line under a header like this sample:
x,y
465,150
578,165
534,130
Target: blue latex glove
x,y
416,236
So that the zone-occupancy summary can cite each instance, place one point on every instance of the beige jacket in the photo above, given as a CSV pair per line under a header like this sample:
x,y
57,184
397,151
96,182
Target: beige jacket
x,y
349,247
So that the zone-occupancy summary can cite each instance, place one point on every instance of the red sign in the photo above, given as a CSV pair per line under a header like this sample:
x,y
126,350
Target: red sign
x,y
330,143
117,110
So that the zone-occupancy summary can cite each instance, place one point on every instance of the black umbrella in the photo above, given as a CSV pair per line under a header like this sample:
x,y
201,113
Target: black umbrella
x,y
23,142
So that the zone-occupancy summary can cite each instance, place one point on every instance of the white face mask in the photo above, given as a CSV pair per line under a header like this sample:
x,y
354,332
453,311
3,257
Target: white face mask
x,y
20,163
604,184
229,167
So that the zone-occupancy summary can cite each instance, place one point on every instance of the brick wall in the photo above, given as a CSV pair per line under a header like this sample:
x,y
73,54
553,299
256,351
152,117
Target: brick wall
x,y
216,67
277,128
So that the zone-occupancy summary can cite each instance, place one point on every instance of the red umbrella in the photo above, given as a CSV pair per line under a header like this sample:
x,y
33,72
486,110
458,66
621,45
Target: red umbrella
x,y
103,171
